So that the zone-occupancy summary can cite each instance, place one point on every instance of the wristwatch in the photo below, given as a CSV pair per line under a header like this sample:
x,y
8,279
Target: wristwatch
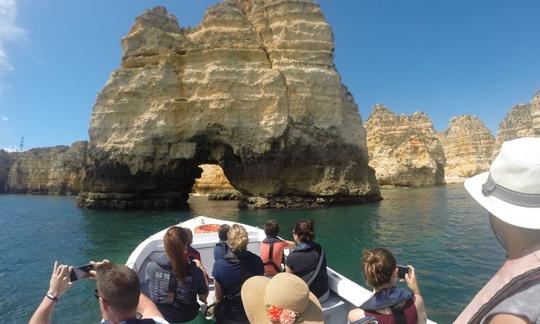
x,y
51,297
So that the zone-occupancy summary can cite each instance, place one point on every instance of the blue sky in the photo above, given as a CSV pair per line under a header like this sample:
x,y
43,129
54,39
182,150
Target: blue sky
x,y
445,58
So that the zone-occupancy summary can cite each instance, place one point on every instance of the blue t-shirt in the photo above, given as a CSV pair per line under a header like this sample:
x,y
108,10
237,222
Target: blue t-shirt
x,y
303,261
185,306
228,273
220,249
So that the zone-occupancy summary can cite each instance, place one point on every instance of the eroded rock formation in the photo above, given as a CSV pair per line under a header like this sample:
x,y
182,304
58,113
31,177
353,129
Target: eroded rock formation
x,y
468,146
55,170
253,88
404,150
522,120
5,163
213,182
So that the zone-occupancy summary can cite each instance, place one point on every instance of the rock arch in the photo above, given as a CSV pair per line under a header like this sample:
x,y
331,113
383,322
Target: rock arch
x,y
253,88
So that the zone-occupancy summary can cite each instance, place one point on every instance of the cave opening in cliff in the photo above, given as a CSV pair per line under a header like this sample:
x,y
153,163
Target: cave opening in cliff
x,y
214,183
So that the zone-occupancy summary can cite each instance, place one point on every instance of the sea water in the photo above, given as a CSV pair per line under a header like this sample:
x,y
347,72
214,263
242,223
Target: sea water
x,y
441,231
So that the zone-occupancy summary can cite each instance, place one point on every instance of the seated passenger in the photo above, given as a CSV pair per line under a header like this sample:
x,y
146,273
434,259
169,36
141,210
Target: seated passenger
x,y
308,260
272,249
230,272
389,304
174,281
191,252
283,299
221,247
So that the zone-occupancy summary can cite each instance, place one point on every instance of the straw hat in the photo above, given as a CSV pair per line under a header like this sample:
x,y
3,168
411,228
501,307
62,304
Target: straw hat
x,y
284,294
511,189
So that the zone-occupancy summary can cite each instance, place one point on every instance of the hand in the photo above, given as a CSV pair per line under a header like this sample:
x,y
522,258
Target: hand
x,y
59,282
410,278
96,266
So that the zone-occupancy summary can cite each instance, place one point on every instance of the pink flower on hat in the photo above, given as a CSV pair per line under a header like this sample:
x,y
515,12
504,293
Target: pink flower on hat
x,y
288,317
281,316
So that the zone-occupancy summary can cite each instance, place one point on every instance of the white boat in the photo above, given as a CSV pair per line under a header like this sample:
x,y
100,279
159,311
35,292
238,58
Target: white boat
x,y
345,294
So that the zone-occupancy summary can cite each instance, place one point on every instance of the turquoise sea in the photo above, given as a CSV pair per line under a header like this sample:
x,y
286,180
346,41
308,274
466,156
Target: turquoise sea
x,y
439,230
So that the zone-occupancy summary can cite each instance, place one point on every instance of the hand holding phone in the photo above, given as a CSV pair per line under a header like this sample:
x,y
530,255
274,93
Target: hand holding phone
x,y
402,271
80,272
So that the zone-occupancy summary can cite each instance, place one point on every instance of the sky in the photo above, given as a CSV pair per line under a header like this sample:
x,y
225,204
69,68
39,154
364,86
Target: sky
x,y
445,58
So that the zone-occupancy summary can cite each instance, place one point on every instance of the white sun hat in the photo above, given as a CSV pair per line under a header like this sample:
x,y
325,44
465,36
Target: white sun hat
x,y
511,189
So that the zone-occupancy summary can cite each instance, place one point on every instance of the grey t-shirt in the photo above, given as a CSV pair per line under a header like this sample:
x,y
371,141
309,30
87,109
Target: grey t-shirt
x,y
525,303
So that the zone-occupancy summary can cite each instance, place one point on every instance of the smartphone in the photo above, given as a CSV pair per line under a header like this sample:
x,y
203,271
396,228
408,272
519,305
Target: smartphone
x,y
80,272
402,271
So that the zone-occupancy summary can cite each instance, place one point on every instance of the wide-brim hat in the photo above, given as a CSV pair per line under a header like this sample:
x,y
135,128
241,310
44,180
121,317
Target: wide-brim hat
x,y
284,291
511,189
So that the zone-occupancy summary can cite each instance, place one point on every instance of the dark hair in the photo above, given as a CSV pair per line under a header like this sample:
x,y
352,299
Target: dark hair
x,y
189,236
119,286
222,232
378,266
271,228
174,242
304,229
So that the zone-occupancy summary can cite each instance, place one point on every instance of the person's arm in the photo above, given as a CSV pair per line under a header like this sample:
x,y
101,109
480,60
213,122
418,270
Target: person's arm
x,y
289,244
218,294
147,308
412,283
356,314
58,284
203,289
507,319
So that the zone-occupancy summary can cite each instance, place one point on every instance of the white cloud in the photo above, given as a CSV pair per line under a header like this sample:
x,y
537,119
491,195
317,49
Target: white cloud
x,y
9,32
5,119
9,149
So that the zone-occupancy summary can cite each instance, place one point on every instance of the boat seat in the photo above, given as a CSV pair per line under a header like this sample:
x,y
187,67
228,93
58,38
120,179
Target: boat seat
x,y
335,309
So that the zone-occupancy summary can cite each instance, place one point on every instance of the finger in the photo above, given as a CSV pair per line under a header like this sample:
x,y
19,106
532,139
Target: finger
x,y
55,266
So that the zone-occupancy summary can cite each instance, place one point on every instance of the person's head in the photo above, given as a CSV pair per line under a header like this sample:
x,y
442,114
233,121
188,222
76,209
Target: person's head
x,y
304,231
271,228
174,241
118,290
237,238
510,192
189,234
222,232
379,267
285,294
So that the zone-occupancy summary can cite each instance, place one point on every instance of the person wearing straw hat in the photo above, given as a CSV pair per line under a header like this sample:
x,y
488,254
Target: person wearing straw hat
x,y
510,192
284,299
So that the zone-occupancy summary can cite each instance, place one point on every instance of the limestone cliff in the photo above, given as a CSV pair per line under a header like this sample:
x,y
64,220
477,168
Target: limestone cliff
x,y
404,150
55,170
212,180
5,163
468,145
522,120
253,88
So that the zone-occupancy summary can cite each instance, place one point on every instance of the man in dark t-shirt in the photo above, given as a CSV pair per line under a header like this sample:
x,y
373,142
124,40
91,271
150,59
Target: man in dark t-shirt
x,y
303,261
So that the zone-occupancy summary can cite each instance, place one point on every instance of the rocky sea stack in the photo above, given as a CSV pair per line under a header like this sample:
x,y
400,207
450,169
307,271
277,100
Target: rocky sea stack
x,y
522,120
404,150
253,89
468,146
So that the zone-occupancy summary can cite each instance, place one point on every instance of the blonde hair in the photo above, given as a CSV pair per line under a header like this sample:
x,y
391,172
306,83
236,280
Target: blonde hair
x,y
237,238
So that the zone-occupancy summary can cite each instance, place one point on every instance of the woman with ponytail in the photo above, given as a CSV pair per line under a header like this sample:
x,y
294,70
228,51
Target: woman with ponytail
x,y
389,304
173,282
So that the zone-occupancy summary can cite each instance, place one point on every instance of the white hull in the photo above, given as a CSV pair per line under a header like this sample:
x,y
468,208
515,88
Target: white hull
x,y
345,293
